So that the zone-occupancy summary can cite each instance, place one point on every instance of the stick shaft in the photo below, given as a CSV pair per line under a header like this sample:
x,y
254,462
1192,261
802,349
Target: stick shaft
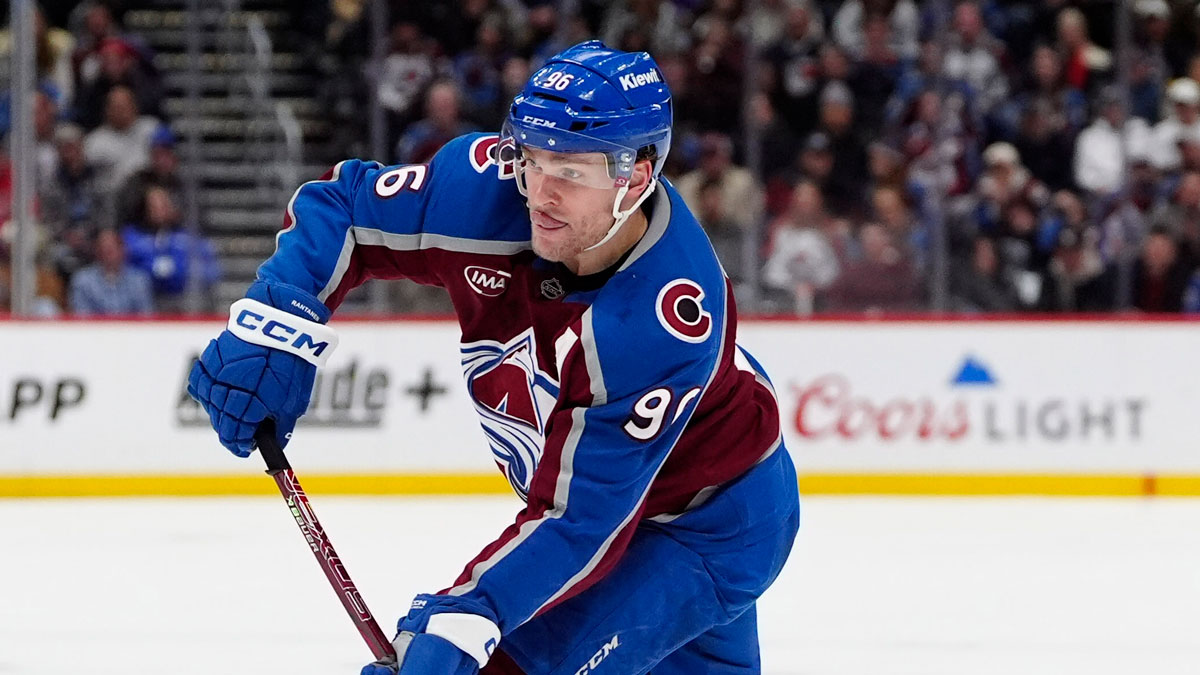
x,y
318,541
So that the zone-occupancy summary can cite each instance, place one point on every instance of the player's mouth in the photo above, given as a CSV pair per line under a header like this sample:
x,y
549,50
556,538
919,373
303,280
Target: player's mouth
x,y
544,221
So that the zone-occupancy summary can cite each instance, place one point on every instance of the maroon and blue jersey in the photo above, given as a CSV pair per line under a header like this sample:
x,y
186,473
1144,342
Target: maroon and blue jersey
x,y
606,400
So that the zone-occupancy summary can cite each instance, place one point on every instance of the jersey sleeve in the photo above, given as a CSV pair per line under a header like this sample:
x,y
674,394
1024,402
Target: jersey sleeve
x,y
618,418
363,220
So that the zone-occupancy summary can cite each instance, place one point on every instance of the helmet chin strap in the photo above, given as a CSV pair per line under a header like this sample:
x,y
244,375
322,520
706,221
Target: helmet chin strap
x,y
621,216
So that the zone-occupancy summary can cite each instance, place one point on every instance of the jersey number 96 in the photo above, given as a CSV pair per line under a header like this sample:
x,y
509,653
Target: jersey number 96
x,y
650,412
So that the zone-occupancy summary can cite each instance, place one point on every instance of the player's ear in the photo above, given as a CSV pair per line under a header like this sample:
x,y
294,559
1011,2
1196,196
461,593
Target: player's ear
x,y
638,182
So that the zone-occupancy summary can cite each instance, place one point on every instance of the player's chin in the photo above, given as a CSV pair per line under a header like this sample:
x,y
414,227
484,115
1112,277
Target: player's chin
x,y
545,251
550,248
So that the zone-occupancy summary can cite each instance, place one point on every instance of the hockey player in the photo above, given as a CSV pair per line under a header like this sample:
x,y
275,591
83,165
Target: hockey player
x,y
598,346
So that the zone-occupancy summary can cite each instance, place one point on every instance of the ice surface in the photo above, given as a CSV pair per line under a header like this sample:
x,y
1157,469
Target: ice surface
x,y
876,586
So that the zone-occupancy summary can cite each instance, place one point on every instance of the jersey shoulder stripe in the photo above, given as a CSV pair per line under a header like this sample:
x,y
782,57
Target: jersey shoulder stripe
x,y
474,197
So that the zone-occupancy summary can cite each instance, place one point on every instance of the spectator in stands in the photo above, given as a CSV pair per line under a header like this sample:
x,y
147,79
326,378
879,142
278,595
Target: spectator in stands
x,y
873,79
97,26
544,34
902,24
1160,277
765,22
973,57
567,30
843,192
477,71
1024,250
794,73
777,144
805,208
979,284
1149,67
1063,107
939,141
345,30
45,117
48,290
716,77
1180,218
407,70
890,209
883,280
917,76
802,261
1085,62
73,203
119,67
513,76
54,47
1004,181
741,193
452,24
886,168
1100,153
1125,224
1044,146
442,122
666,24
1189,155
813,163
172,256
52,58
1145,90
110,286
163,171
1184,118
121,146
816,159
729,239
1077,279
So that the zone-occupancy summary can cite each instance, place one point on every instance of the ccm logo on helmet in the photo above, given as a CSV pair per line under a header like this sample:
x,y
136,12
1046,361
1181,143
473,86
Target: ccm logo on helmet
x,y
680,312
538,122
635,80
486,281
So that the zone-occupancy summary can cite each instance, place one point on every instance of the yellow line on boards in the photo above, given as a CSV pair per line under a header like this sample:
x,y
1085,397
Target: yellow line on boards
x,y
184,485
227,485
1127,485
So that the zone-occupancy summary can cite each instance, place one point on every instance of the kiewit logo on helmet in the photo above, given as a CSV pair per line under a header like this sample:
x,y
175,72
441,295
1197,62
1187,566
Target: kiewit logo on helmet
x,y
486,281
538,122
634,80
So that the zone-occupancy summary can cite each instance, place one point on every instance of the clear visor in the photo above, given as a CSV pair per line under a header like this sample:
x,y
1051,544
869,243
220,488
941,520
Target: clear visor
x,y
567,155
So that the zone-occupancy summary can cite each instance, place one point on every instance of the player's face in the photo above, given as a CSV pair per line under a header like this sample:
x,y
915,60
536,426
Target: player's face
x,y
570,201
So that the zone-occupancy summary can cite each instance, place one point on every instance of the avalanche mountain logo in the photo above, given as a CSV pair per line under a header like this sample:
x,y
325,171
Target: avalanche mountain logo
x,y
513,397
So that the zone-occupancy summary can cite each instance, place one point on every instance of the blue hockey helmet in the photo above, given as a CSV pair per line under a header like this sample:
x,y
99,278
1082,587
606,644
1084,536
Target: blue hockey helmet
x,y
593,99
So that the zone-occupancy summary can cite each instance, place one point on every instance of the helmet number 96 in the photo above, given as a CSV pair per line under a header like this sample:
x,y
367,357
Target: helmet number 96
x,y
558,80
651,410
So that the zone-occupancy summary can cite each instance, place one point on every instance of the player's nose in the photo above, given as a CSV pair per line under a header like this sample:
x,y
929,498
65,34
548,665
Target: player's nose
x,y
541,191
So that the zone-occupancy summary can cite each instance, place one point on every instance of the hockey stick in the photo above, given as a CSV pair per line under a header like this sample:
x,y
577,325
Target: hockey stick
x,y
279,469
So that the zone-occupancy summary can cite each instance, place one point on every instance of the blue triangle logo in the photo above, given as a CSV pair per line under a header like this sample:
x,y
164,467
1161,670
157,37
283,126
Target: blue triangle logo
x,y
973,372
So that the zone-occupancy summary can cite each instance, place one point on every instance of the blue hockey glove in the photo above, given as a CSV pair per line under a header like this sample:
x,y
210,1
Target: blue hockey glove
x,y
442,635
263,365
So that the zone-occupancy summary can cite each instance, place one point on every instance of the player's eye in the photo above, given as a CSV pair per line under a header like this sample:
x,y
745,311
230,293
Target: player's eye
x,y
570,173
